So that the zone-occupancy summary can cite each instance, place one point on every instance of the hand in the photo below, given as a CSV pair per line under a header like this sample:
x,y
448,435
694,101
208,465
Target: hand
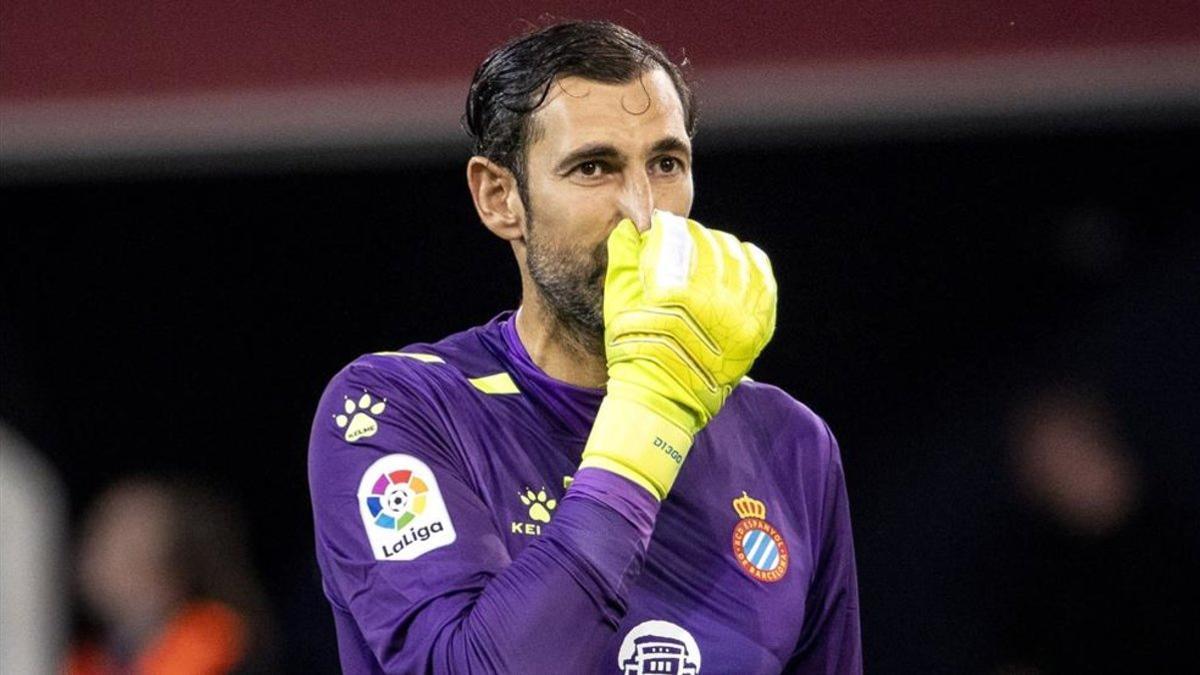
x,y
686,311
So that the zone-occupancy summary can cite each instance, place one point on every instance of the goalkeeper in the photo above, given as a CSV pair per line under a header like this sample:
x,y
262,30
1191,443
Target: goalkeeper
x,y
589,484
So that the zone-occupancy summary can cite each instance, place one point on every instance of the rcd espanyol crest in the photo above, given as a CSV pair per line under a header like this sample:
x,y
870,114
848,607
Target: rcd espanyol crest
x,y
757,545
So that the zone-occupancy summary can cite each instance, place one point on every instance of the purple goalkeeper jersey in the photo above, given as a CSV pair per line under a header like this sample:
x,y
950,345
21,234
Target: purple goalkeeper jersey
x,y
449,542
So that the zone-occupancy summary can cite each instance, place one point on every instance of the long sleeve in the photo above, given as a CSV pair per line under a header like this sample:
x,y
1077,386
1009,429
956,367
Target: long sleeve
x,y
414,562
831,640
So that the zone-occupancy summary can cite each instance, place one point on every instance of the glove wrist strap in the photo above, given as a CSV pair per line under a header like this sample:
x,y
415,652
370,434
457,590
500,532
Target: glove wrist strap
x,y
637,443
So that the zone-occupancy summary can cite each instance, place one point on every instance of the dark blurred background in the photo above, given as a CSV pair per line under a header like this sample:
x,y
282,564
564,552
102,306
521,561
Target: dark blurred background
x,y
983,221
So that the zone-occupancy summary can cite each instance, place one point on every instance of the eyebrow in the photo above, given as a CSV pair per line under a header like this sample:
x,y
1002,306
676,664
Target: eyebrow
x,y
593,151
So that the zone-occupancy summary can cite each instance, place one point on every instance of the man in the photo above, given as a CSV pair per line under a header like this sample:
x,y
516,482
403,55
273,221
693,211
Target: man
x,y
589,484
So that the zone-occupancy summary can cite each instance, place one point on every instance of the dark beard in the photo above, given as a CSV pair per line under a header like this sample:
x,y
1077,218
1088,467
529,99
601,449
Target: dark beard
x,y
571,282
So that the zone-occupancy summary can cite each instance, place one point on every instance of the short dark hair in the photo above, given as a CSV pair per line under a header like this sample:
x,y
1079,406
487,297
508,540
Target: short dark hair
x,y
514,80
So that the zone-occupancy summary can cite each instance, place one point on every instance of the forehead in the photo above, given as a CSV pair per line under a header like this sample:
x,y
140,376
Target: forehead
x,y
579,110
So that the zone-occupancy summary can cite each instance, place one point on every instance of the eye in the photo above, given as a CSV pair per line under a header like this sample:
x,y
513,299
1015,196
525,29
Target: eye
x,y
669,165
590,168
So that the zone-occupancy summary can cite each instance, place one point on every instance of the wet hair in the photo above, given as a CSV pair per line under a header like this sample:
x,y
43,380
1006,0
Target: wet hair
x,y
514,80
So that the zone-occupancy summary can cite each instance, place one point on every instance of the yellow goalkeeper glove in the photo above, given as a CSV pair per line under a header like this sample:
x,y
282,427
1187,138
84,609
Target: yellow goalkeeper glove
x,y
686,311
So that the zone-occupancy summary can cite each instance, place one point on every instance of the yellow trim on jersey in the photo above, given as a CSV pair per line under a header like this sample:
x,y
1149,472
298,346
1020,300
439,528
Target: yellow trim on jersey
x,y
427,358
500,383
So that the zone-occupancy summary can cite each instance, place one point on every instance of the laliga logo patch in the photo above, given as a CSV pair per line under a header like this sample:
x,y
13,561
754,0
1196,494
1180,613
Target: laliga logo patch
x,y
659,647
402,509
757,545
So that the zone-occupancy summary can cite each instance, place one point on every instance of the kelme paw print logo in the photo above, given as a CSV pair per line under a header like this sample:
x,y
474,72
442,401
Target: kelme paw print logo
x,y
359,418
540,504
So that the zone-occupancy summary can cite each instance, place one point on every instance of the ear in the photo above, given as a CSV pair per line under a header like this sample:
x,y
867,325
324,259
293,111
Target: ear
x,y
497,199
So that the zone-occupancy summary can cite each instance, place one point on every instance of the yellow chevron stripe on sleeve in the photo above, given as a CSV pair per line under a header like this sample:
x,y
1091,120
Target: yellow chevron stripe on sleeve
x,y
427,358
500,383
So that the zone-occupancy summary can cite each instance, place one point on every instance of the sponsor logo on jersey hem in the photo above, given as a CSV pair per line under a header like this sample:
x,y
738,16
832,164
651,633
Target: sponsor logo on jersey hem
x,y
658,647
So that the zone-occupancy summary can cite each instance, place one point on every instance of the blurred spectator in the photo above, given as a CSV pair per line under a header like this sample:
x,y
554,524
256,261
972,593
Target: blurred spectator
x,y
1071,465
1100,570
31,531
165,578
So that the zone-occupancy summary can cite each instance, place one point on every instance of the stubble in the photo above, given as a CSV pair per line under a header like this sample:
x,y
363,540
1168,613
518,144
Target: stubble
x,y
570,280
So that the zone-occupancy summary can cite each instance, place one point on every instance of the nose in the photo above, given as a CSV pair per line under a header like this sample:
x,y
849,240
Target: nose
x,y
637,200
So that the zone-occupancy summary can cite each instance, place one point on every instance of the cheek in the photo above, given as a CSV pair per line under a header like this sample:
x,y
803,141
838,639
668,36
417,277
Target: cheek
x,y
569,211
585,216
572,223
675,197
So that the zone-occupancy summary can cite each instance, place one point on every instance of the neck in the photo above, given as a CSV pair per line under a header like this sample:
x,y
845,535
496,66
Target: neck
x,y
556,349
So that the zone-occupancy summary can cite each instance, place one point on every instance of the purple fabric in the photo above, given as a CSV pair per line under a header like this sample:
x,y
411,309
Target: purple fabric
x,y
575,407
538,578
625,497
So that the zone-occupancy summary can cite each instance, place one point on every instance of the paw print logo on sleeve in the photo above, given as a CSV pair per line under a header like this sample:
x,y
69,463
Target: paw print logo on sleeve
x,y
540,505
359,417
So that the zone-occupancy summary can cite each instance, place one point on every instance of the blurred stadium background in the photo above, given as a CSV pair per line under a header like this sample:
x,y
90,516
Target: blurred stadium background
x,y
983,218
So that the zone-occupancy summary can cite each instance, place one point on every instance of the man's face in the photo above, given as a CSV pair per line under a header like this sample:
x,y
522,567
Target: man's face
x,y
605,152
